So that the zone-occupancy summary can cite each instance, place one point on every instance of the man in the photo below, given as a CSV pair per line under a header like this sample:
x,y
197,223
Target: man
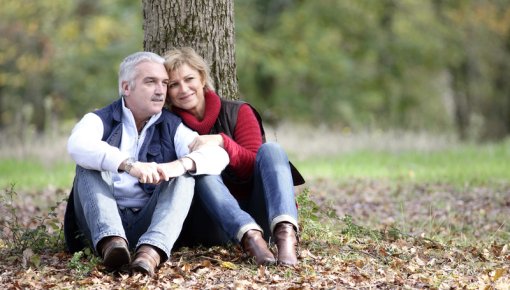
x,y
131,186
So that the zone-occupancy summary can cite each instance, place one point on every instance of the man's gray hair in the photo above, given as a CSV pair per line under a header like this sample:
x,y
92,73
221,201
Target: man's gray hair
x,y
127,68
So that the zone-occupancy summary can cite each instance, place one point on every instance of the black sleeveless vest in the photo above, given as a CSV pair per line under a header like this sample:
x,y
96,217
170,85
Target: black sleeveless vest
x,y
226,123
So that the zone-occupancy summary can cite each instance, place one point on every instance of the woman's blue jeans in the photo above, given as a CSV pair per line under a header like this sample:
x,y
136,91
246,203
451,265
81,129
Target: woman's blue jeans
x,y
216,217
158,223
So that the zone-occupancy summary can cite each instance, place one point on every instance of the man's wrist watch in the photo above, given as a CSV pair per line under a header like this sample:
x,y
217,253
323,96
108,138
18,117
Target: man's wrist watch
x,y
129,164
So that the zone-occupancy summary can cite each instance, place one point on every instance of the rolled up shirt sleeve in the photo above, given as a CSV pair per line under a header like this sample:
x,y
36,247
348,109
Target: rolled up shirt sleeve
x,y
208,159
88,150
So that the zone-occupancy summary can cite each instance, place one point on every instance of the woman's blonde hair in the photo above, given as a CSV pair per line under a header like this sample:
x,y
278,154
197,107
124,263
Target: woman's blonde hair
x,y
177,57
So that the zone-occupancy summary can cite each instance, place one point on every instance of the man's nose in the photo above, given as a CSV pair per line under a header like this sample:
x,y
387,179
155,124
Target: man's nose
x,y
161,88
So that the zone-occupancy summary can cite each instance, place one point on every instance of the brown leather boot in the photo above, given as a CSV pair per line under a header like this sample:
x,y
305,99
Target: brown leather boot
x,y
114,251
286,241
147,258
255,245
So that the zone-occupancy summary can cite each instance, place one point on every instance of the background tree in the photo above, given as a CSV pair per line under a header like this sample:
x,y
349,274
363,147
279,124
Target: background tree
x,y
59,59
351,64
479,63
432,65
206,26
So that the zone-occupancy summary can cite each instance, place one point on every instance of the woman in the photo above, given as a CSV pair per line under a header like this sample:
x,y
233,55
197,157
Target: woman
x,y
254,196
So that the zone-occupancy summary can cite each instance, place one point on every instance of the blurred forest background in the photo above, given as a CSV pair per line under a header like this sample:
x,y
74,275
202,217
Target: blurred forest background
x,y
440,66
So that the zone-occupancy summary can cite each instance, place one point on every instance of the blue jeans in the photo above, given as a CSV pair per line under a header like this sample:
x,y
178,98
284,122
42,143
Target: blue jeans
x,y
158,223
217,217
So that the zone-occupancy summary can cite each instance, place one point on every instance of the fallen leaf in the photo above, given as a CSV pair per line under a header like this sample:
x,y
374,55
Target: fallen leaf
x,y
497,274
228,265
419,261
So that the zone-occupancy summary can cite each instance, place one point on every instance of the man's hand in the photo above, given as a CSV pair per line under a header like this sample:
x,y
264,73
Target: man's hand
x,y
204,140
151,172
146,172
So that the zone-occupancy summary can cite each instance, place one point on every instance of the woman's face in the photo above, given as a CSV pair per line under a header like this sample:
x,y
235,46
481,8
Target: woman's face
x,y
186,90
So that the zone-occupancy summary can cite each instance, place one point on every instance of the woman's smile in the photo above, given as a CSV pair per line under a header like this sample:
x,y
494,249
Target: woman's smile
x,y
186,97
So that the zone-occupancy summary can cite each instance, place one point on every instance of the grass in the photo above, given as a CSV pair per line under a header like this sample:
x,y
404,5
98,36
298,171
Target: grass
x,y
463,165
456,194
34,174
460,165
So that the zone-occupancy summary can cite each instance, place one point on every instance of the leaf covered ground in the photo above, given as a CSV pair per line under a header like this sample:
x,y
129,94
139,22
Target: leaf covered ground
x,y
360,234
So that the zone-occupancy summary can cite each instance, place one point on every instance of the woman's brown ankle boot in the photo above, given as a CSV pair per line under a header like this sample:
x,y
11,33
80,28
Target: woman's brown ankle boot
x,y
286,241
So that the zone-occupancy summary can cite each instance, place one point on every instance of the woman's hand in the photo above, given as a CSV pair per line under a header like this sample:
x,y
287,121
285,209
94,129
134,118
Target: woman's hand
x,y
205,140
174,168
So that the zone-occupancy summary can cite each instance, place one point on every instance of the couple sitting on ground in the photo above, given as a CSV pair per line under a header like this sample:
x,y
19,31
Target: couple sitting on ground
x,y
148,179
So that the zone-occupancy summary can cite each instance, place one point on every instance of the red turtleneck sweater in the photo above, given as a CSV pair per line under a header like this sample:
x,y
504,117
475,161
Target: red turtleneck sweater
x,y
242,149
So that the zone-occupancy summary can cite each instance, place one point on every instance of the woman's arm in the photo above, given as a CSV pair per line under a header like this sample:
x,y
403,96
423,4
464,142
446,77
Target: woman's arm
x,y
208,159
243,148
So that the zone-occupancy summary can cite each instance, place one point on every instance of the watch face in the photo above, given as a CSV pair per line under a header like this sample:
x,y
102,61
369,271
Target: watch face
x,y
129,164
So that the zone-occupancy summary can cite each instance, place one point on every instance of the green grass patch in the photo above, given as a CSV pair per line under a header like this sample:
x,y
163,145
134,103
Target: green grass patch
x,y
463,165
35,174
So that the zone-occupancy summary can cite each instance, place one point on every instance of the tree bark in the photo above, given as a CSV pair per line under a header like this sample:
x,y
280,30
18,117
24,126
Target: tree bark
x,y
461,99
206,26
460,73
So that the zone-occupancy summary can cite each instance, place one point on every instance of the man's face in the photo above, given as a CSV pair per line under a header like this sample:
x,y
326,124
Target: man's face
x,y
147,97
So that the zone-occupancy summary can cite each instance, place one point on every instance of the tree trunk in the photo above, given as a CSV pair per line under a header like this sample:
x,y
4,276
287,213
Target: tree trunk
x,y
461,99
497,108
460,72
386,62
206,26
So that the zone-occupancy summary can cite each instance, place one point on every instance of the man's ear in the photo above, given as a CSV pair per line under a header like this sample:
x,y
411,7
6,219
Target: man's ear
x,y
125,88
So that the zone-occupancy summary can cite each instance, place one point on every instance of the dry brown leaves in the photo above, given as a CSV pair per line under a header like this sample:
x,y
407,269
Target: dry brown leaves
x,y
422,259
357,264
